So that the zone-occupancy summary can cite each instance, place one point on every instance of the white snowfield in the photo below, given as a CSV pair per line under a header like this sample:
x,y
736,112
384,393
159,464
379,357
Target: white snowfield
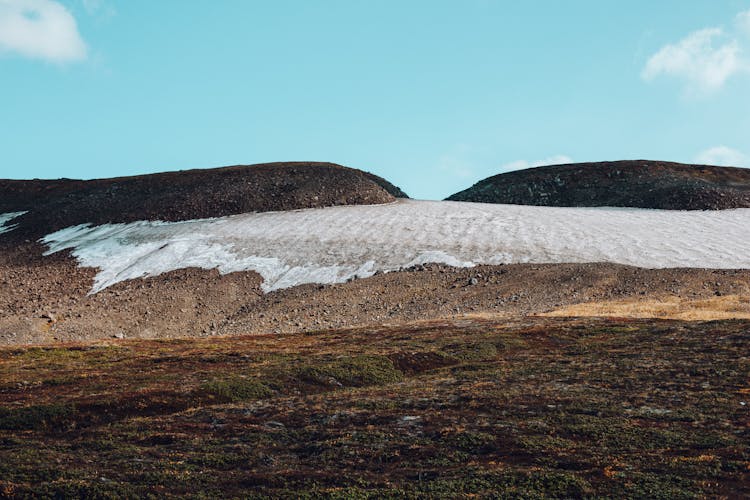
x,y
332,245
5,218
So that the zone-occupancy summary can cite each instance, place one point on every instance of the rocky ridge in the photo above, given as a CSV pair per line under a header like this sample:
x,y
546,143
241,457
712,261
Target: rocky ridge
x,y
190,194
637,183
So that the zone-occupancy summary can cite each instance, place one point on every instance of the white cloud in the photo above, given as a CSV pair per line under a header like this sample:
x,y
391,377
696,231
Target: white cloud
x,y
743,22
40,29
523,164
456,167
723,155
99,8
706,59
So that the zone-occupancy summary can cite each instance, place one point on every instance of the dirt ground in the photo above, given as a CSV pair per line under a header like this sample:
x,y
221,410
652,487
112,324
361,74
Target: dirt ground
x,y
45,299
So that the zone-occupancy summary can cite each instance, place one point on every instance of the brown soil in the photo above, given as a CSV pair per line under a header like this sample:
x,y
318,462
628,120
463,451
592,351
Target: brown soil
x,y
44,299
639,183
192,194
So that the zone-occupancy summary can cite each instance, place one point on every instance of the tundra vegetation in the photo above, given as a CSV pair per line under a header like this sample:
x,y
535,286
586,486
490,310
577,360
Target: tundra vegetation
x,y
540,407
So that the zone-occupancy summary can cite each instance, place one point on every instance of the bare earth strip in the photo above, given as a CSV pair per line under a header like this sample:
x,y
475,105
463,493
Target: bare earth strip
x,y
45,299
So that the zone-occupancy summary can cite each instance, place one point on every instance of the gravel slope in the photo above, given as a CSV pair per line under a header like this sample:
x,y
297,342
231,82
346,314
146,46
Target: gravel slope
x,y
638,183
44,299
191,194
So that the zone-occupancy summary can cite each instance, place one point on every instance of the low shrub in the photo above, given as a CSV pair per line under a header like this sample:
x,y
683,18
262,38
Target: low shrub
x,y
357,371
475,351
237,389
35,417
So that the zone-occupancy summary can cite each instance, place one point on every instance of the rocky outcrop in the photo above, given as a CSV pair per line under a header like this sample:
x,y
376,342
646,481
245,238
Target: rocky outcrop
x,y
192,194
638,183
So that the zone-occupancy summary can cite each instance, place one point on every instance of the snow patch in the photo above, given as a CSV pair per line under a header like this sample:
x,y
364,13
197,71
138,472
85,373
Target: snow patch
x,y
7,217
333,245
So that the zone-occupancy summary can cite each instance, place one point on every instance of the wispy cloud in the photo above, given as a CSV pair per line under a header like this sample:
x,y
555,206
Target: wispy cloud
x,y
743,22
457,163
40,29
704,59
99,8
465,162
92,6
723,155
522,164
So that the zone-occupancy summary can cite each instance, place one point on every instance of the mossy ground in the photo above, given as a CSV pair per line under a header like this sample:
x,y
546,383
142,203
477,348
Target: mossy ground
x,y
530,408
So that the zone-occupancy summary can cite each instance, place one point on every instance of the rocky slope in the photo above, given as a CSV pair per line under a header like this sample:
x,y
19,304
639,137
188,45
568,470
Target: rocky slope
x,y
192,194
638,183
31,285
45,300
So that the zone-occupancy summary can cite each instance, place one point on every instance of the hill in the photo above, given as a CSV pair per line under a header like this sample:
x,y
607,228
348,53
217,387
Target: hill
x,y
636,183
191,194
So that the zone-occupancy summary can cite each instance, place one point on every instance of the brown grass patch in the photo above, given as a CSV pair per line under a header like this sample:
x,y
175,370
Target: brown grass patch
x,y
714,308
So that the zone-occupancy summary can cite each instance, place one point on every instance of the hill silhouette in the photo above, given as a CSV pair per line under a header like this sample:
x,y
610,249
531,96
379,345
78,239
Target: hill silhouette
x,y
632,183
191,194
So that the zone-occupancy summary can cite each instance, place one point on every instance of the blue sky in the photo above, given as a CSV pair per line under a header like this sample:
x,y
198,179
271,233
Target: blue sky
x,y
433,95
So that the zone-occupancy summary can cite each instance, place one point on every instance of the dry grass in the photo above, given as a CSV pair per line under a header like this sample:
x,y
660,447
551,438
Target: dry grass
x,y
466,408
715,308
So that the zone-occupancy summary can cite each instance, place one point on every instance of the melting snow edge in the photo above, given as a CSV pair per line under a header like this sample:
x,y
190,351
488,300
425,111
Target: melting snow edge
x,y
333,245
7,217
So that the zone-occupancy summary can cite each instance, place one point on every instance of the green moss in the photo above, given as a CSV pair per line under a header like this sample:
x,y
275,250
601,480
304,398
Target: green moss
x,y
479,351
617,433
706,466
545,444
82,489
35,416
357,371
376,404
655,486
537,484
605,330
220,461
64,380
55,354
31,464
473,442
237,389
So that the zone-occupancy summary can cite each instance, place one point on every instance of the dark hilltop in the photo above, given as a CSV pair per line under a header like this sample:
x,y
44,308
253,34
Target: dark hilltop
x,y
189,194
631,183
